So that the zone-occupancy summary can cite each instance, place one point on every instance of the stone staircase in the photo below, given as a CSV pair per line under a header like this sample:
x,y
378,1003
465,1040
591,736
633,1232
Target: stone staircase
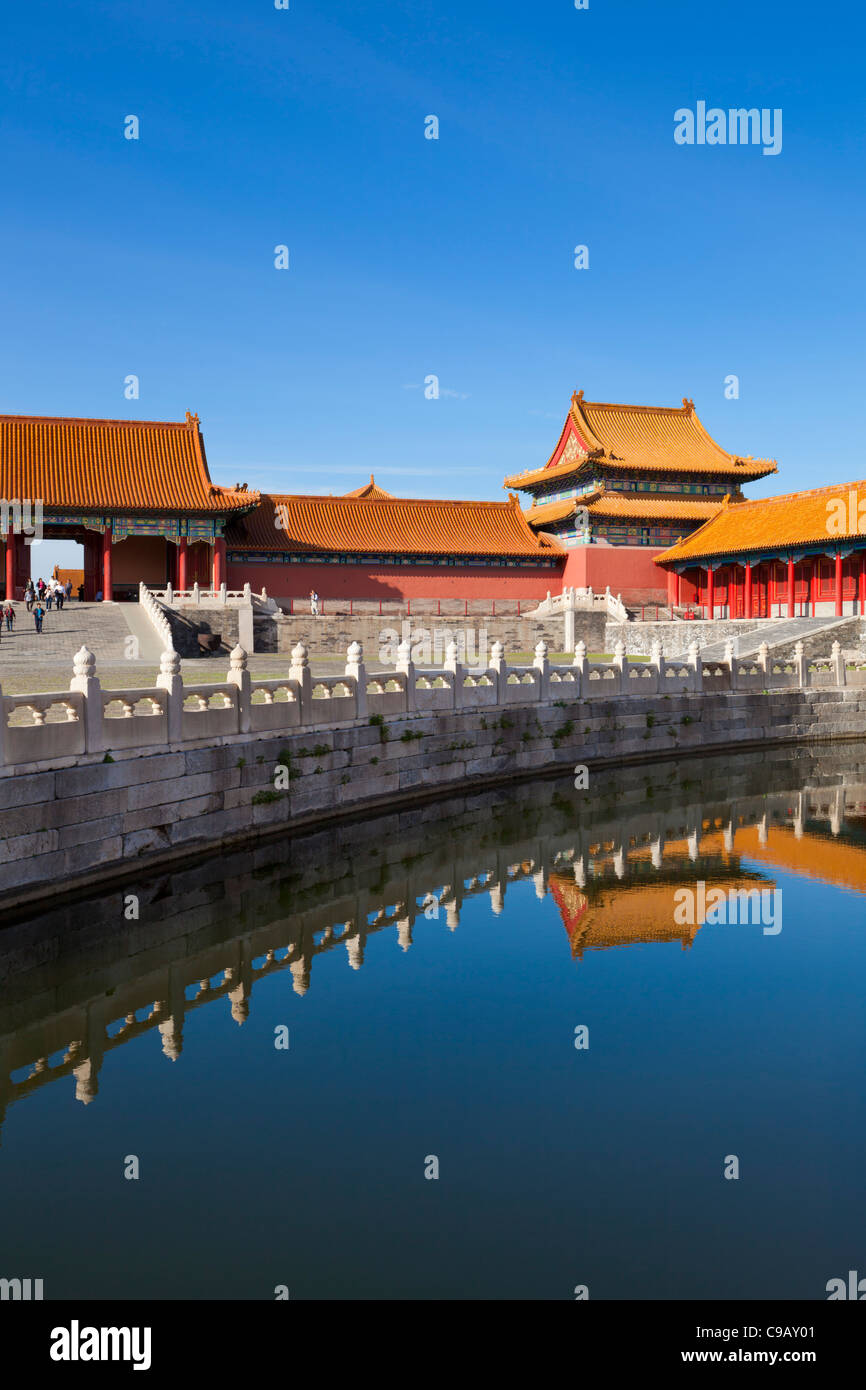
x,y
784,632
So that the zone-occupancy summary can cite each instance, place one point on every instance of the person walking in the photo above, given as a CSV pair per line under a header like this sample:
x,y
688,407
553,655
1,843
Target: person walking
x,y
49,598
68,589
29,595
40,588
39,615
59,596
9,615
314,603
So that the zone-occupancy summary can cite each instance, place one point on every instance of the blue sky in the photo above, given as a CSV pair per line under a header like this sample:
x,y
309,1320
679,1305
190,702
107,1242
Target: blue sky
x,y
411,257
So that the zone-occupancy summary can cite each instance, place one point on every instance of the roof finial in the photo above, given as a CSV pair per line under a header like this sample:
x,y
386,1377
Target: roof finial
x,y
688,406
576,398
192,419
372,480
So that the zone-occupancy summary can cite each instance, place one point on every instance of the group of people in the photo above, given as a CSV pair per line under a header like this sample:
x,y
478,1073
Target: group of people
x,y
39,598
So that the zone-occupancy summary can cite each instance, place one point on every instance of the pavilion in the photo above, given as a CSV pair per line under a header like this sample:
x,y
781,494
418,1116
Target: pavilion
x,y
136,494
623,483
798,555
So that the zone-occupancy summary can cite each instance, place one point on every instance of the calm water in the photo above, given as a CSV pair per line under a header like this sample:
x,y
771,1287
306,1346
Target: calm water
x,y
448,1030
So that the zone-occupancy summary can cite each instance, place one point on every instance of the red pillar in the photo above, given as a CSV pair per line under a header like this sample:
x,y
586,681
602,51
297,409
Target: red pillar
x,y
182,564
672,587
106,565
711,591
748,601
838,583
10,564
790,588
862,585
219,562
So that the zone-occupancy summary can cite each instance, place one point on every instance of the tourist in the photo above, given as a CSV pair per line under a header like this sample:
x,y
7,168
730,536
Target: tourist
x,y
68,589
59,596
9,615
49,597
39,615
314,603
29,595
81,593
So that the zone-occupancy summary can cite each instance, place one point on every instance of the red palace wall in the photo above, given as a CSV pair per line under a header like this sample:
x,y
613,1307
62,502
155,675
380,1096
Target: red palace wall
x,y
628,569
393,583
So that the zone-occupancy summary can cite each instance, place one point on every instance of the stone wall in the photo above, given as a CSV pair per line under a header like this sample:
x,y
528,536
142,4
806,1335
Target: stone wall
x,y
330,635
676,636
102,820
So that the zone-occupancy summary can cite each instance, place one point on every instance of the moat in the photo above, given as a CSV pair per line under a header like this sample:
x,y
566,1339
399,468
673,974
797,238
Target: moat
x,y
500,986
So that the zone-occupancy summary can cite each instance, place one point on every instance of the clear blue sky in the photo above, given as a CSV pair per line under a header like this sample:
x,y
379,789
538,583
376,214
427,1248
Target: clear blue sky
x,y
411,256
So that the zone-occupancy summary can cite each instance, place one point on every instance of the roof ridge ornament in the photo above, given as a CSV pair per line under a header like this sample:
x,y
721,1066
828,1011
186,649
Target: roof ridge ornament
x,y
192,419
688,406
576,398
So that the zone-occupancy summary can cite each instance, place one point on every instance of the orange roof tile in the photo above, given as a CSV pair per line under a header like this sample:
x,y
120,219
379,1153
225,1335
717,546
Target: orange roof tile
x,y
645,438
795,518
813,856
369,490
652,508
617,504
106,465
395,525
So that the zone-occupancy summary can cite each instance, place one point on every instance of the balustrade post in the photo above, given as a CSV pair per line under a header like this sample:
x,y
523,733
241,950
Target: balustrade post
x,y
452,663
839,672
499,665
196,593
169,680
620,661
356,668
579,664
764,663
300,671
248,593
240,677
223,594
406,667
2,740
729,660
542,665
694,661
656,660
169,593
800,670
84,679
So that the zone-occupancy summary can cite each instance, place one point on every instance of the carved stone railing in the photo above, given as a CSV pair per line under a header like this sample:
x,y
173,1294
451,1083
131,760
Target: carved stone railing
x,y
63,726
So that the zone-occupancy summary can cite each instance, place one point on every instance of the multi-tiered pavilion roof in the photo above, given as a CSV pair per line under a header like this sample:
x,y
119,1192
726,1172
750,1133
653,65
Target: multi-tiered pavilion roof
x,y
642,475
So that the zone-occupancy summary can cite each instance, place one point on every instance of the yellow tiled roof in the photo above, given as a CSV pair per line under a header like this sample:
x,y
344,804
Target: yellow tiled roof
x,y
394,525
644,438
370,489
795,518
106,465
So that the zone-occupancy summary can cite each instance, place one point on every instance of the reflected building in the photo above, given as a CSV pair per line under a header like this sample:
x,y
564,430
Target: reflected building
x,y
76,987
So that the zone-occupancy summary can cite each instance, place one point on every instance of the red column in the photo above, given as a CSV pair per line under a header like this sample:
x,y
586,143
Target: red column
x,y
838,583
219,562
862,585
711,595
790,588
10,564
182,564
106,564
813,583
748,601
672,587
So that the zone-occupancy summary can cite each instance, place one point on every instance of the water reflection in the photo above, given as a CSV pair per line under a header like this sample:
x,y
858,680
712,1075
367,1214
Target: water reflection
x,y
82,980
